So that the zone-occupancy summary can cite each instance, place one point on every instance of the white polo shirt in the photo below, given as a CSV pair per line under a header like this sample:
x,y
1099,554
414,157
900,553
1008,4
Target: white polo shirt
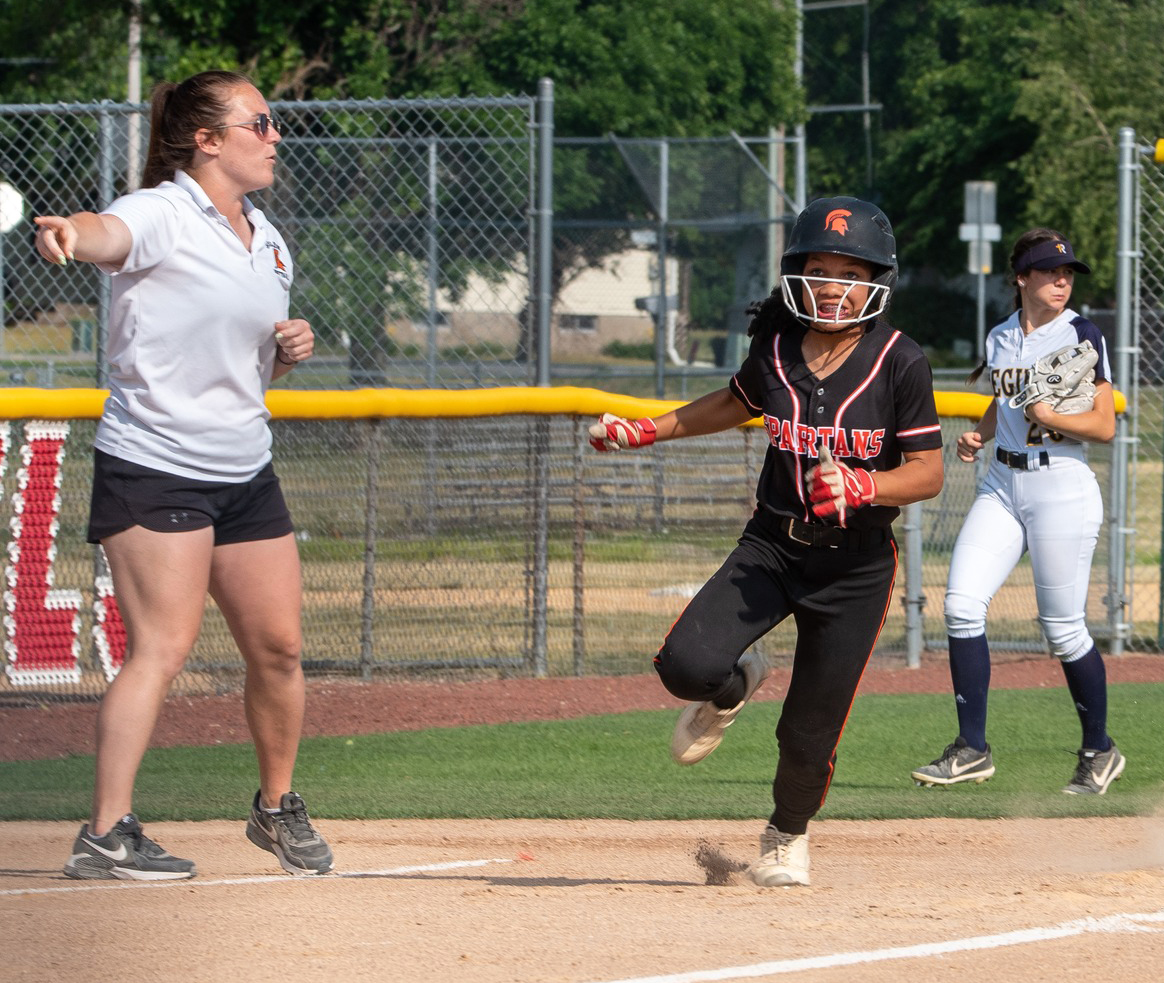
x,y
192,336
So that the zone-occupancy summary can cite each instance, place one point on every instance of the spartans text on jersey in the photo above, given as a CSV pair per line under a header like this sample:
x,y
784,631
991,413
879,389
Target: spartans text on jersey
x,y
798,438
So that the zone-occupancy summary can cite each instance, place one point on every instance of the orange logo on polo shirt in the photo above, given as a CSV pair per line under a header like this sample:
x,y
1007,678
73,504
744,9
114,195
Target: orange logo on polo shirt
x,y
835,221
280,266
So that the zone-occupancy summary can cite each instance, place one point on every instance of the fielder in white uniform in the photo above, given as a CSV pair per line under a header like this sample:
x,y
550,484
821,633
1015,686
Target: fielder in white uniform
x,y
1038,496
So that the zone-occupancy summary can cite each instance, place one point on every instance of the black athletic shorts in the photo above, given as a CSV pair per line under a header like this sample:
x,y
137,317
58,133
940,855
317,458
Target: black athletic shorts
x,y
126,494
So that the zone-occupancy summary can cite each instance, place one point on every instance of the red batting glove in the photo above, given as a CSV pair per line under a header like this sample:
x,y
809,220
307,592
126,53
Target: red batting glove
x,y
613,433
834,488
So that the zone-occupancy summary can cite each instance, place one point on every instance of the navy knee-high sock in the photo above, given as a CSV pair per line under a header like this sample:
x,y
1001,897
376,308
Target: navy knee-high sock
x,y
970,673
1087,682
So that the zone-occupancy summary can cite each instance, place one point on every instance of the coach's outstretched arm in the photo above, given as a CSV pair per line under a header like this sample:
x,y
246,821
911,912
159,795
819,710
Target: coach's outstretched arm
x,y
84,236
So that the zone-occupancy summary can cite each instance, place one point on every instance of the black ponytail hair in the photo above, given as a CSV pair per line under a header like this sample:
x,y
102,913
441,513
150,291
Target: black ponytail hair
x,y
769,315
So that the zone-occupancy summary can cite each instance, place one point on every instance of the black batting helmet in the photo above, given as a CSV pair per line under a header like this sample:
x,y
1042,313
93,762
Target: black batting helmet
x,y
846,227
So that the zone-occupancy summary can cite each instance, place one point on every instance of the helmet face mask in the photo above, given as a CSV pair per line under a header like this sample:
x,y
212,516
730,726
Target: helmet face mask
x,y
798,289
843,227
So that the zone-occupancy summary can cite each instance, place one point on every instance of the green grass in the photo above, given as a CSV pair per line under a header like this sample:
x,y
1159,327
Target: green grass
x,y
617,767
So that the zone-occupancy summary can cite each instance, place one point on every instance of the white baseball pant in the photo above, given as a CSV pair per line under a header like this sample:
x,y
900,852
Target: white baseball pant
x,y
1054,512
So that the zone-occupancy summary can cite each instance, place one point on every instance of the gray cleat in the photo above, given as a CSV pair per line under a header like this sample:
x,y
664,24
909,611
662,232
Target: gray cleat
x,y
958,763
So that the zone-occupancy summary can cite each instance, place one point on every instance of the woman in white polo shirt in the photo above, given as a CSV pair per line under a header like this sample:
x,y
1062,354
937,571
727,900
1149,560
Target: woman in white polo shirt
x,y
185,499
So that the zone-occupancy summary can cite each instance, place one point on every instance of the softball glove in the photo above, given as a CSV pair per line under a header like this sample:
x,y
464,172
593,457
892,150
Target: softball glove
x,y
1065,379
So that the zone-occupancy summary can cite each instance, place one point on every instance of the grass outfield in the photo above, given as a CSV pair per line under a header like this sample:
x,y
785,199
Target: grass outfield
x,y
618,767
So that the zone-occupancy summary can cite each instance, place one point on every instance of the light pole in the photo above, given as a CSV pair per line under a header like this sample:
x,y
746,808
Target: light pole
x,y
133,92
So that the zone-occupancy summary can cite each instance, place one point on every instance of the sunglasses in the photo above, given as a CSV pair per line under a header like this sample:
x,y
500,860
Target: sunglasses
x,y
262,124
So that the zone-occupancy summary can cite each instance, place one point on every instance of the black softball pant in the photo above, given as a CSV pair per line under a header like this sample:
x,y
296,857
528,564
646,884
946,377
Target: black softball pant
x,y
838,598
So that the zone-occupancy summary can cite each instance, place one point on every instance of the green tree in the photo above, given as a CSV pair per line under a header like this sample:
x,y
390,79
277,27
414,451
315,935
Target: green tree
x,y
1030,96
651,67
62,52
631,67
1095,70
641,67
644,68
948,77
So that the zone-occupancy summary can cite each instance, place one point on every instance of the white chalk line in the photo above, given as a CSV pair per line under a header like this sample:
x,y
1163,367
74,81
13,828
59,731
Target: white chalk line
x,y
1109,924
194,882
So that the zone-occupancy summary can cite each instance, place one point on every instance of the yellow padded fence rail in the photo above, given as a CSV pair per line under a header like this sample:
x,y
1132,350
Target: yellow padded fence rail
x,y
19,403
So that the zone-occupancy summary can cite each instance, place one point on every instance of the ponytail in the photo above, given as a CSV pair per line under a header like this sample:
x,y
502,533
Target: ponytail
x,y
974,375
177,113
157,166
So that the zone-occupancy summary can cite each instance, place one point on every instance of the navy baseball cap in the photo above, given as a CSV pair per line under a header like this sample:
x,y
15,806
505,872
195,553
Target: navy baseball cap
x,y
1049,256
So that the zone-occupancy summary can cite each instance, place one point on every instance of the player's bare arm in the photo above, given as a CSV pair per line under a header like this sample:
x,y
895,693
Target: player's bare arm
x,y
1096,425
713,413
917,478
972,441
83,236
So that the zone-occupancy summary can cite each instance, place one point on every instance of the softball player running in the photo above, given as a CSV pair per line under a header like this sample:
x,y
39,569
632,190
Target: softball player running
x,y
1040,496
853,433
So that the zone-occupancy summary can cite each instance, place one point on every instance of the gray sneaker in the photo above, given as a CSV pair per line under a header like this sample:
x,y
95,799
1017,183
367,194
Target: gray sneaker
x,y
125,853
958,763
289,835
700,726
1096,771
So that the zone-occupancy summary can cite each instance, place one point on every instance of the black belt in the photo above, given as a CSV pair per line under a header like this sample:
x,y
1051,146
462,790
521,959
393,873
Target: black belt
x,y
1020,461
830,537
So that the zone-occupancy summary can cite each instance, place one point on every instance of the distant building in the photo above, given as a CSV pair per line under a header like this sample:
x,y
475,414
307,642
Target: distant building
x,y
612,302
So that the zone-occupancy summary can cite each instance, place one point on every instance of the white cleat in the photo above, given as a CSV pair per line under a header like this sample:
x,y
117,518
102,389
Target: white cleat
x,y
783,859
700,726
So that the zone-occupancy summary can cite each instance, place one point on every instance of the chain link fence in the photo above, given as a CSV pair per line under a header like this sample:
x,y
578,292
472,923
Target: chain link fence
x,y
414,225
689,230
411,223
499,544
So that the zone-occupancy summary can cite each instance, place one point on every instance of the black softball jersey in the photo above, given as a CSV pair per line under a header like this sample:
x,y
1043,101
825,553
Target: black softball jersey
x,y
876,405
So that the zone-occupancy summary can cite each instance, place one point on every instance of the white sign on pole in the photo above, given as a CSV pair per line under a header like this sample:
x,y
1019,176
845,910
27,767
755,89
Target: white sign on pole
x,y
978,230
979,203
981,233
11,207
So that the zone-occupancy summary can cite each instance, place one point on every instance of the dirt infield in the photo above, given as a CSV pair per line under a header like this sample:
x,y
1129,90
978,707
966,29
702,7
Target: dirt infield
x,y
527,901
582,902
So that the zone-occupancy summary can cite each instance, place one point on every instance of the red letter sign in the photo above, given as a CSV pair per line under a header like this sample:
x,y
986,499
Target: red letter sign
x,y
41,624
